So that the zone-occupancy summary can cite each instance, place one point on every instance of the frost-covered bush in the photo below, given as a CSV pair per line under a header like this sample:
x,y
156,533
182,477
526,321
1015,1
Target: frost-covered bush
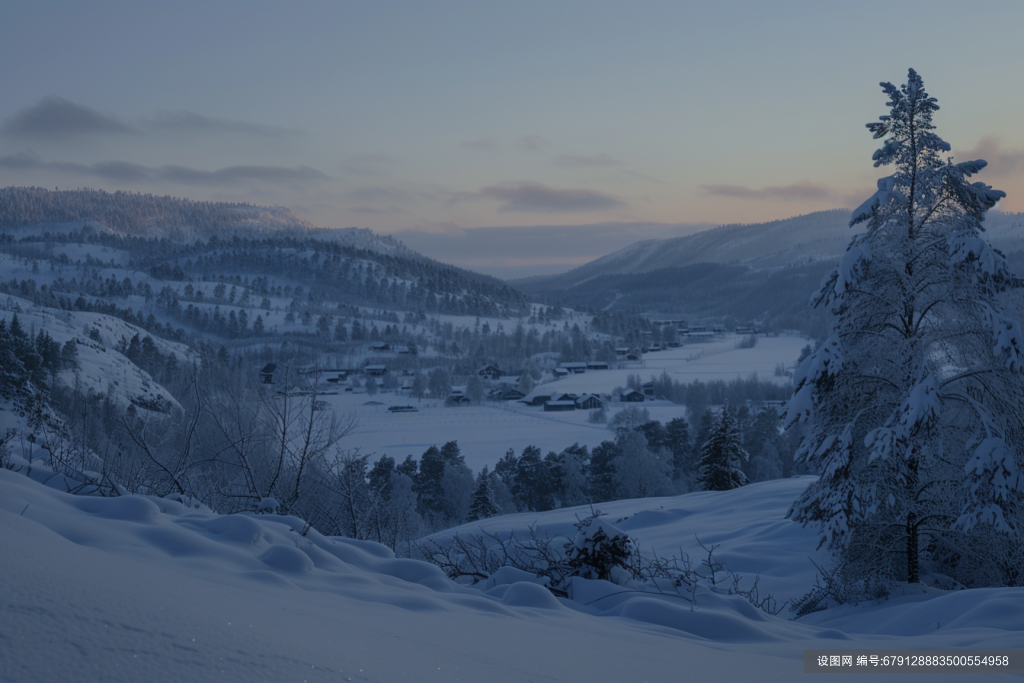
x,y
599,550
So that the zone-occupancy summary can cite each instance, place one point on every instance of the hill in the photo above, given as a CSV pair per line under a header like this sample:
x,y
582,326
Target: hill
x,y
136,214
762,273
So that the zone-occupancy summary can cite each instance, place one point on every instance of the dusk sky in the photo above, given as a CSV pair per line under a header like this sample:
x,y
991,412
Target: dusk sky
x,y
443,116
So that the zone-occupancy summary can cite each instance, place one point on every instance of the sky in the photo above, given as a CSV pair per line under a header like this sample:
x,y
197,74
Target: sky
x,y
440,117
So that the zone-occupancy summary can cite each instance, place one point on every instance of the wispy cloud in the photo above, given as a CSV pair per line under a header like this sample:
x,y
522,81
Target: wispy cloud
x,y
577,160
55,118
533,143
374,211
538,198
803,190
482,144
191,122
123,171
1001,161
58,119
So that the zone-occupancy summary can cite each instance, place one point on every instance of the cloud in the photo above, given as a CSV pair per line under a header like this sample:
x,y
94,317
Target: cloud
x,y
595,160
538,198
533,143
641,176
233,175
1001,161
483,144
804,190
372,210
371,194
127,172
190,122
56,118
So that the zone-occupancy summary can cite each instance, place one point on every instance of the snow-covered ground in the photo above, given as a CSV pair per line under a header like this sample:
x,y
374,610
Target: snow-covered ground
x,y
485,432
140,589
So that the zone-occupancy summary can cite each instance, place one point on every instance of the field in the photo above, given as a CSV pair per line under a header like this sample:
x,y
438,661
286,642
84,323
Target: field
x,y
486,432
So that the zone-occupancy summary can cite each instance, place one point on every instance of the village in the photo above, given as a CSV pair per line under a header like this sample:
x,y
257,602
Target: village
x,y
399,410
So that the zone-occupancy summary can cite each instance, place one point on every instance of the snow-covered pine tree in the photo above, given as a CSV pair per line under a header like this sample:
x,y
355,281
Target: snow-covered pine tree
x,y
722,455
483,505
914,402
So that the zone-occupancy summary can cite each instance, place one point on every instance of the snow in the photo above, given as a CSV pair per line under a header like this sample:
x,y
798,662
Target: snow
x,y
484,433
101,367
136,588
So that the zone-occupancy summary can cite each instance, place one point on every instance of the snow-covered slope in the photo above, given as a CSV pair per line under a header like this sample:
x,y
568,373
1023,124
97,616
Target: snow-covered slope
x,y
140,589
814,236
102,368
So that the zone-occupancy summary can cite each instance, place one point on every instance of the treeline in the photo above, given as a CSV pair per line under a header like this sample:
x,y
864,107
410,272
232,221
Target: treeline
x,y
24,358
331,273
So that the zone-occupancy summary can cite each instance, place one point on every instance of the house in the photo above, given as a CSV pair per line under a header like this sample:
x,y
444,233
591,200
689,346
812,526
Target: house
x,y
648,388
553,406
505,392
589,402
457,398
560,372
632,396
380,346
575,368
375,370
489,371
540,399
564,397
597,365
622,351
267,373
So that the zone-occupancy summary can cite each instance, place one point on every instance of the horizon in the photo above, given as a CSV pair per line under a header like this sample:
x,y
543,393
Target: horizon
x,y
451,118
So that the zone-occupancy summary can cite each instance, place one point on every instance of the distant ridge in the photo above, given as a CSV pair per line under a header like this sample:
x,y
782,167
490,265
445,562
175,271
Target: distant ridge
x,y
131,213
814,236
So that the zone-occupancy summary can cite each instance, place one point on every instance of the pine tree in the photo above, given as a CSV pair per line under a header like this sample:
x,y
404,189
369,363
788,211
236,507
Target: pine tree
x,y
722,456
483,505
914,403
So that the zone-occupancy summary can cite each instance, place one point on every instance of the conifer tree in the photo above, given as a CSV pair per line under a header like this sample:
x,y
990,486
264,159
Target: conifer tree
x,y
914,403
722,456
483,505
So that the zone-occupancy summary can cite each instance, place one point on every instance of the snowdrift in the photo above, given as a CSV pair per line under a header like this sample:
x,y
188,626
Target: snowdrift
x,y
137,588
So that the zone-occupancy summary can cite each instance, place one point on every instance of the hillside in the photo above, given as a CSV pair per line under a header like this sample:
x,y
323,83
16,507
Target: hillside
x,y
812,237
762,273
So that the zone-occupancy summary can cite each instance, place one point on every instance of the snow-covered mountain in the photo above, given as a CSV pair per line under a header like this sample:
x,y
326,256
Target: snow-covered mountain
x,y
811,237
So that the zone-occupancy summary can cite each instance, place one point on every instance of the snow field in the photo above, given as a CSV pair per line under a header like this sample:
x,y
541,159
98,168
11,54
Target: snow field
x,y
135,588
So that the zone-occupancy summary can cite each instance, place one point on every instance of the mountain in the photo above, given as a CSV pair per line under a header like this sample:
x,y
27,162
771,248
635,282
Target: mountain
x,y
761,273
809,237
